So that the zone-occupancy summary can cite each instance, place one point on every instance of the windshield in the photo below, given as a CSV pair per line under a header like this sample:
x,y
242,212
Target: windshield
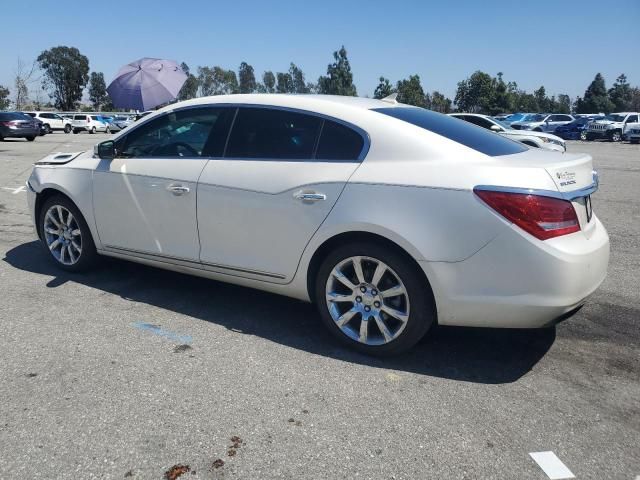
x,y
515,117
467,134
614,118
534,118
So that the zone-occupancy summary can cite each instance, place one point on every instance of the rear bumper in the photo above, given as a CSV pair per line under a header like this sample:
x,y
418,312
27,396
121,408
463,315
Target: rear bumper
x,y
517,281
8,132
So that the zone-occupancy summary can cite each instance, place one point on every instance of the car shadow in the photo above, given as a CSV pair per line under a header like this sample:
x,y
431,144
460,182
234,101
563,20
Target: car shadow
x,y
466,354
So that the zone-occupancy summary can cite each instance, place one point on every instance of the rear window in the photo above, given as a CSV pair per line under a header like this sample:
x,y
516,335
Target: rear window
x,y
80,117
472,136
4,116
338,142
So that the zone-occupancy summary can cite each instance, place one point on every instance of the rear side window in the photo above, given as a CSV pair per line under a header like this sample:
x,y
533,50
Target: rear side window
x,y
338,142
476,138
273,134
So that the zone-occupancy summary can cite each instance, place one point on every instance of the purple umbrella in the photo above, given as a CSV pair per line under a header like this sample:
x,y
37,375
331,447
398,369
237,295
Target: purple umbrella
x,y
146,83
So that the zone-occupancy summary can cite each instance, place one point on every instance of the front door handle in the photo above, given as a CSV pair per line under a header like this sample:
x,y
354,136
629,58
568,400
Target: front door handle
x,y
178,190
309,196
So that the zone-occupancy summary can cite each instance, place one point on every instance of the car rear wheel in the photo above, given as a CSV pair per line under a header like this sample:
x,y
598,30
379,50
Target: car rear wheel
x,y
373,299
30,139
66,236
93,130
75,130
47,128
67,129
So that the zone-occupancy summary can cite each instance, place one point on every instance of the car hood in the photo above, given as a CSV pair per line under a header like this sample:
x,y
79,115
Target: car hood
x,y
605,122
531,133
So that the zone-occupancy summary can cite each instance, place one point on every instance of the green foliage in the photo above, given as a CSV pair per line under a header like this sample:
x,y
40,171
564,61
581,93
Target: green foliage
x,y
4,98
620,94
410,91
190,88
384,89
564,104
217,81
284,83
634,102
596,98
440,103
475,94
269,82
66,72
247,79
339,79
298,84
97,90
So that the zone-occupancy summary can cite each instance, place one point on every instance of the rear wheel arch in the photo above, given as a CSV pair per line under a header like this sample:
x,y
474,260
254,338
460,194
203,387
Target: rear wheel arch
x,y
344,238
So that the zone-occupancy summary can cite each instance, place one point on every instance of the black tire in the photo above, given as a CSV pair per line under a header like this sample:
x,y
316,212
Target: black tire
x,y
634,140
583,135
615,136
589,137
30,139
88,256
93,130
75,131
47,128
67,128
108,130
537,129
422,311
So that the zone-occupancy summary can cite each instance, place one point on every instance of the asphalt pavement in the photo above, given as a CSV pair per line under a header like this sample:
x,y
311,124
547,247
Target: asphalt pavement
x,y
134,372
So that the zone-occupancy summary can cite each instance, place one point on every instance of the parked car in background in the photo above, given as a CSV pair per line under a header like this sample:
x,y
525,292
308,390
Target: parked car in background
x,y
391,218
542,140
18,125
612,126
576,130
501,117
120,123
516,117
89,123
52,121
543,122
632,132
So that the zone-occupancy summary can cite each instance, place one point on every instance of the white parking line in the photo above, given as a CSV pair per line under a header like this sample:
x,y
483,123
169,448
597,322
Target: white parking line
x,y
16,190
552,465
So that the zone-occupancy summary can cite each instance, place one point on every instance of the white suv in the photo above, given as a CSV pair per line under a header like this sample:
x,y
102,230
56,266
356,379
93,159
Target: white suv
x,y
52,121
612,126
89,123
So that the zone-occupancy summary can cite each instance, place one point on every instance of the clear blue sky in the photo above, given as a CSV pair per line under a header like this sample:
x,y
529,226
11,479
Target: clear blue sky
x,y
560,44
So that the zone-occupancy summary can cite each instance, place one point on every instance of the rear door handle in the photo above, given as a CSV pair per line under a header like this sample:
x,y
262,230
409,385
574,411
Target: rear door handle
x,y
178,190
309,196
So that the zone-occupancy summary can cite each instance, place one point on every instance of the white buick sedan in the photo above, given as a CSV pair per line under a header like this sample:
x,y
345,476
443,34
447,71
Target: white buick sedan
x,y
390,218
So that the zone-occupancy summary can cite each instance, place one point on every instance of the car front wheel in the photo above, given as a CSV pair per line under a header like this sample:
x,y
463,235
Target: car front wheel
x,y
374,299
67,129
65,235
615,136
583,135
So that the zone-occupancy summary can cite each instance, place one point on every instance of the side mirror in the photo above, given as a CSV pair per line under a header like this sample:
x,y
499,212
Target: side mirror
x,y
105,150
495,128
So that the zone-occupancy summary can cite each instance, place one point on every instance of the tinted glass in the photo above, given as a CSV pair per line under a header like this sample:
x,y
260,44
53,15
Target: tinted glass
x,y
31,114
80,117
194,132
632,118
5,116
273,134
338,142
469,135
479,121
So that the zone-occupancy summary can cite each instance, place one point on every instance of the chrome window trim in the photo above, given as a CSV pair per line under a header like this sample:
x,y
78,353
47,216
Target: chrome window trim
x,y
365,136
569,196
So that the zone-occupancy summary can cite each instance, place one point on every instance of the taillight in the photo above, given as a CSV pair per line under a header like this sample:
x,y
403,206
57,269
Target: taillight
x,y
9,124
543,217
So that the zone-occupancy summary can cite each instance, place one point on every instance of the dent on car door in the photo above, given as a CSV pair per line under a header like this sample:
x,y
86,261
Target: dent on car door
x,y
259,206
145,198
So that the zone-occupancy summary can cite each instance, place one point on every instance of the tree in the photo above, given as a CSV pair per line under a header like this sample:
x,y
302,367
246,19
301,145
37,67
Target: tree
x,y
541,99
410,91
298,84
247,79
23,78
4,98
269,81
97,90
339,79
190,88
596,98
440,103
503,97
634,103
217,81
475,94
66,72
620,94
284,83
384,88
564,103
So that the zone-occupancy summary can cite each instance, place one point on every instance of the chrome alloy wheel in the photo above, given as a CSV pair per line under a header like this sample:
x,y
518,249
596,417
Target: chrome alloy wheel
x,y
62,235
367,300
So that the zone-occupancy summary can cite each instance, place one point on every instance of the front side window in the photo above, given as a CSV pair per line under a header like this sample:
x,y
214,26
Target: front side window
x,y
193,132
632,119
273,134
468,135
